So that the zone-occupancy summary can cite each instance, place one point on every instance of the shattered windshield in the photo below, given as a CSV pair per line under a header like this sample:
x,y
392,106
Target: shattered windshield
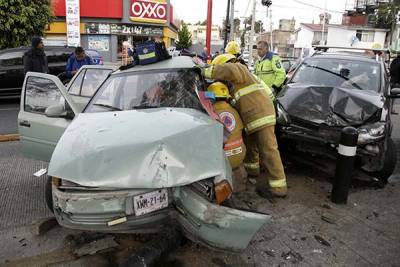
x,y
149,89
339,73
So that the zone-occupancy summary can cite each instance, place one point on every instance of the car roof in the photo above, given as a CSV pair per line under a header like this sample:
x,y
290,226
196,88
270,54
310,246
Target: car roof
x,y
180,62
347,55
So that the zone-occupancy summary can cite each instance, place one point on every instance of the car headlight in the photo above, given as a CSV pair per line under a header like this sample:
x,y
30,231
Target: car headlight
x,y
371,133
282,117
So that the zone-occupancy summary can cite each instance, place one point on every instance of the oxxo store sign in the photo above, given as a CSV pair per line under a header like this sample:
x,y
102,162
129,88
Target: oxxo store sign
x,y
151,11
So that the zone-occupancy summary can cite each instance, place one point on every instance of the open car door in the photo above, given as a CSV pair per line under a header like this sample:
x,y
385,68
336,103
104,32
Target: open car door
x,y
46,111
85,83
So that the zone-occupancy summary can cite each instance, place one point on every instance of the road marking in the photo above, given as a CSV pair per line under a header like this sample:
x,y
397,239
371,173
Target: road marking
x,y
9,137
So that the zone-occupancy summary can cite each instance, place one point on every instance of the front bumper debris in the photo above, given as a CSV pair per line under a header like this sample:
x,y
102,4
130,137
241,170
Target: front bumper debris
x,y
202,221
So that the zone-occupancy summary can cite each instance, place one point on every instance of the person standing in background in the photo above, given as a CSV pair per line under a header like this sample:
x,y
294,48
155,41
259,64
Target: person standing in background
x,y
35,58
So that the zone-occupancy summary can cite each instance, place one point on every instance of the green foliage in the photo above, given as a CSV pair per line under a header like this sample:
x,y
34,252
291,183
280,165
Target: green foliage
x,y
184,38
22,19
386,15
258,25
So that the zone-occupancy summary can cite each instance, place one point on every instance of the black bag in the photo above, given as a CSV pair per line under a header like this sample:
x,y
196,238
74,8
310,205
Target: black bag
x,y
151,52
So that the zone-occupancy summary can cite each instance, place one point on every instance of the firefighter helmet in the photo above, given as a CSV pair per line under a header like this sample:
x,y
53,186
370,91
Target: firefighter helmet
x,y
232,48
222,59
219,89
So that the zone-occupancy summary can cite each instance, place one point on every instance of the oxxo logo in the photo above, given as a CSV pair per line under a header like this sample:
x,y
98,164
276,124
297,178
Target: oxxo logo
x,y
151,11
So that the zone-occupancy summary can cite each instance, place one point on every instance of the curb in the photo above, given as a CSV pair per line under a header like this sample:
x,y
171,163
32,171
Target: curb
x,y
9,137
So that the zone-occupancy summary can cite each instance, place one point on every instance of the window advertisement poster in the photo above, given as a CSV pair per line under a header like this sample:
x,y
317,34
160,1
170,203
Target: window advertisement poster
x,y
99,43
73,22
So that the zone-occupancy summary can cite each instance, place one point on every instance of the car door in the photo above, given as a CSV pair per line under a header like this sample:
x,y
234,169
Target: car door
x,y
39,128
85,83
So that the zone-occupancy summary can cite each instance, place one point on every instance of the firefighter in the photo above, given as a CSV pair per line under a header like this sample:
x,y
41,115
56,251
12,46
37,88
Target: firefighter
x,y
235,150
233,48
258,114
269,67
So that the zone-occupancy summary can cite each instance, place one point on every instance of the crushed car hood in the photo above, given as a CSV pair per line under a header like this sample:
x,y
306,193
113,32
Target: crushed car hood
x,y
151,148
332,106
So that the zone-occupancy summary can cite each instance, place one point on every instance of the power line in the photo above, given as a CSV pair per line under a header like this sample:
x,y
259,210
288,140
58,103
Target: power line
x,y
317,7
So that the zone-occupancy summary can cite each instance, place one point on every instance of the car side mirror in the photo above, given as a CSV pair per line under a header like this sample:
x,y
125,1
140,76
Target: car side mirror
x,y
395,92
58,111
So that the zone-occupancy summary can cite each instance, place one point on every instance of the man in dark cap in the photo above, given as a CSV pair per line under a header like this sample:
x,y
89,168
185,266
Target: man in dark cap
x,y
35,59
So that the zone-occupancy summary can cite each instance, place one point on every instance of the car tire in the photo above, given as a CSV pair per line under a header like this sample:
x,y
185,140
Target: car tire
x,y
389,162
48,194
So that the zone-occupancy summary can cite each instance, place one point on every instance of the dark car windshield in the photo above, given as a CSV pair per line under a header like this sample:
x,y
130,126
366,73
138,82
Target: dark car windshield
x,y
148,89
342,73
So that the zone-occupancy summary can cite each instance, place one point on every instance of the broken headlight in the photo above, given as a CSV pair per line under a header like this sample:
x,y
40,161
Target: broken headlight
x,y
371,133
205,188
282,116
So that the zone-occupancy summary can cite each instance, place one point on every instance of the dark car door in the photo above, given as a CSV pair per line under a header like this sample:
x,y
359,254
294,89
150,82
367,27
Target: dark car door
x,y
11,73
57,58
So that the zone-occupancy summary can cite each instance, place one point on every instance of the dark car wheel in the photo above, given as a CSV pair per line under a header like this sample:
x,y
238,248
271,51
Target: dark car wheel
x,y
48,194
389,162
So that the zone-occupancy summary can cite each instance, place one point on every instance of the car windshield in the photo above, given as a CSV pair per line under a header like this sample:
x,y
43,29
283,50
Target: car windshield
x,y
148,89
339,73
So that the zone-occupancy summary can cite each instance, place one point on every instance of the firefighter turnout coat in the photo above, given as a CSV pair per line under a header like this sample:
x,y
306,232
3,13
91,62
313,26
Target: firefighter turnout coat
x,y
251,100
234,147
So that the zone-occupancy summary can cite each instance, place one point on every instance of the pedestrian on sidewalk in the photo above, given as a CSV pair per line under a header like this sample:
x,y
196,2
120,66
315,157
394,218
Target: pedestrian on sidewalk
x,y
35,58
395,71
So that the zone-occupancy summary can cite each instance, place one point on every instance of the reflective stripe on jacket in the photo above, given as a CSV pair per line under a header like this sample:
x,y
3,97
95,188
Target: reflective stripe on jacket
x,y
270,70
234,147
254,105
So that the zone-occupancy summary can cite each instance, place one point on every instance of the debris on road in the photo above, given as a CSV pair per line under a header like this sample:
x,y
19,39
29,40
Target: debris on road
x,y
328,218
293,256
317,251
322,241
270,252
40,172
96,246
42,226
326,206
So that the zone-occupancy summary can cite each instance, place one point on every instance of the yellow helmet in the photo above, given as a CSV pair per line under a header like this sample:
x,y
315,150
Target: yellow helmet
x,y
376,46
219,89
222,59
232,48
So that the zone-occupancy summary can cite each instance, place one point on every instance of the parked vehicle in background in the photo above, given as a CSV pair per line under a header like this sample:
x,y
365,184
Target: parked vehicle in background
x,y
332,90
245,55
145,153
95,56
12,66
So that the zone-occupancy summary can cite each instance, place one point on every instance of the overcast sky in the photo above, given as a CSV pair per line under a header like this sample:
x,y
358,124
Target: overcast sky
x,y
302,10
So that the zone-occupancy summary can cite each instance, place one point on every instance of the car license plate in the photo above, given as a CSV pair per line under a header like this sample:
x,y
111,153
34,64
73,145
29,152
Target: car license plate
x,y
150,202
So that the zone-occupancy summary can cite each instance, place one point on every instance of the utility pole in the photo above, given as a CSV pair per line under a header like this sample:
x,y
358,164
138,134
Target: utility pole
x,y
270,28
253,19
323,24
227,23
232,33
209,25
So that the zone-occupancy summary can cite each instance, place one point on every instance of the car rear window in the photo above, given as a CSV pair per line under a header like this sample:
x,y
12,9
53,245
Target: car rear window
x,y
330,72
149,89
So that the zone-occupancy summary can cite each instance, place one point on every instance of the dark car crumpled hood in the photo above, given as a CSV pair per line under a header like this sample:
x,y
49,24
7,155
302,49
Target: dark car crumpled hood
x,y
332,106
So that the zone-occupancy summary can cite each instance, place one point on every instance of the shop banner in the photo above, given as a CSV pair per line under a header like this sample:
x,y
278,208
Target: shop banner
x,y
99,43
73,22
95,28
153,11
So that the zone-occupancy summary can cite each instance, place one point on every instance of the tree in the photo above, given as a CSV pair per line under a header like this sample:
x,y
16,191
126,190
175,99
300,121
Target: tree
x,y
184,38
387,15
22,19
258,25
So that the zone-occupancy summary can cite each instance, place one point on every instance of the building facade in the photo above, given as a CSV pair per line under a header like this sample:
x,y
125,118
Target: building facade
x,y
106,24
281,38
308,35
356,36
198,33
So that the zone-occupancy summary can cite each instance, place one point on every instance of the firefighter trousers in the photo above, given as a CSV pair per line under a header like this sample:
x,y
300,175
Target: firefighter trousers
x,y
263,144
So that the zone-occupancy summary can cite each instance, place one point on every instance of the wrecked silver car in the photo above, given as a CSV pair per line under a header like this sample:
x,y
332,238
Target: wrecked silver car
x,y
332,90
144,154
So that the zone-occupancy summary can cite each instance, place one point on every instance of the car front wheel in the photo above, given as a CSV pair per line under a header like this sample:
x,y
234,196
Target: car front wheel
x,y
389,162
48,194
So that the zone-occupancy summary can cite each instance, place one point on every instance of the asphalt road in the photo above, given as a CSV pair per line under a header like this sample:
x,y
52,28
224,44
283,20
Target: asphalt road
x,y
8,116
